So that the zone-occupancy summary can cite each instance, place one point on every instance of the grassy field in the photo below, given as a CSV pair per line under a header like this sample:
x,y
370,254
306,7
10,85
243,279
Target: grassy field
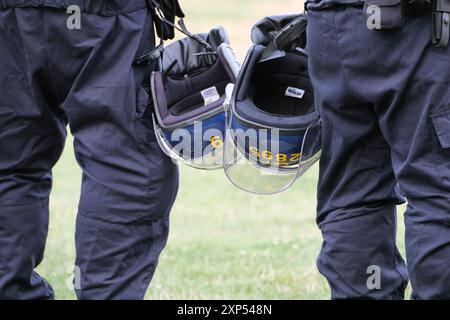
x,y
224,243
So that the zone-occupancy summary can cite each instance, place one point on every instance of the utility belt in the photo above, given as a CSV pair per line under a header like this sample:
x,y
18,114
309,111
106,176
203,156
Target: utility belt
x,y
390,14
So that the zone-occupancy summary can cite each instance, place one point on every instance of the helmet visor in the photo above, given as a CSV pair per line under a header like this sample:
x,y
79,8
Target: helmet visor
x,y
194,146
267,161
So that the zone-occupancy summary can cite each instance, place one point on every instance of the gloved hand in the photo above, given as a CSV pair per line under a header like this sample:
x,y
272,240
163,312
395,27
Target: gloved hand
x,y
170,9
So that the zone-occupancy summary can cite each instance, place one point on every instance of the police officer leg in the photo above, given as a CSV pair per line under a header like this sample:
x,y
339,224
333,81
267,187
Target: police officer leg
x,y
356,195
417,127
408,88
128,184
32,135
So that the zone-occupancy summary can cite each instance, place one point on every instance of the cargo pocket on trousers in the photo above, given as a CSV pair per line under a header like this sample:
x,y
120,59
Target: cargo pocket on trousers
x,y
384,14
441,122
145,132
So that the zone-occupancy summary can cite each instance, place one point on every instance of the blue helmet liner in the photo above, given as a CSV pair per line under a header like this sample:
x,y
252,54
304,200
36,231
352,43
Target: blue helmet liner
x,y
189,96
273,130
288,152
209,131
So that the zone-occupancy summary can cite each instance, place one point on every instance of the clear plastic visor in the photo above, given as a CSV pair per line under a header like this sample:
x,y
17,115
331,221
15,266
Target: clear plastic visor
x,y
265,165
208,156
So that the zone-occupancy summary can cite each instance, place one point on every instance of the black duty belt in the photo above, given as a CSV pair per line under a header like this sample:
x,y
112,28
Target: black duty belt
x,y
440,18
392,15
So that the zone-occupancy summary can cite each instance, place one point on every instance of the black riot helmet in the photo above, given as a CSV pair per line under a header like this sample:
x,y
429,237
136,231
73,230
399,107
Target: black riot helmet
x,y
273,130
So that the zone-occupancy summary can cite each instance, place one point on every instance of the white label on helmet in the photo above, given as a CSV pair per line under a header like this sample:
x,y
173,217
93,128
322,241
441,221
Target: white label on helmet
x,y
295,92
210,95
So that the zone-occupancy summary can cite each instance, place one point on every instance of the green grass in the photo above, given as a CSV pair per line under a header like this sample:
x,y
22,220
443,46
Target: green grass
x,y
224,243
228,244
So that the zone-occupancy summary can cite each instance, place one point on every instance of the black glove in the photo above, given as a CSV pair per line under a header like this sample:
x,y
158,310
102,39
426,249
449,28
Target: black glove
x,y
170,9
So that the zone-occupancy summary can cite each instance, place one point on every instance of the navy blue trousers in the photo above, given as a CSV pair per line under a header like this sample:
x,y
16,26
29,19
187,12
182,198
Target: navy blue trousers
x,y
384,99
51,76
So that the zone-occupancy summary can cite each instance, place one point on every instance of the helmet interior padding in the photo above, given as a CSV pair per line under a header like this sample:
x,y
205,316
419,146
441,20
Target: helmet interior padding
x,y
262,94
185,90
178,96
272,79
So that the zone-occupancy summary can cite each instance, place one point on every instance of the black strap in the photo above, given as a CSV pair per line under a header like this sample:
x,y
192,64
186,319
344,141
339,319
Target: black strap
x,y
441,23
152,56
158,9
160,13
165,11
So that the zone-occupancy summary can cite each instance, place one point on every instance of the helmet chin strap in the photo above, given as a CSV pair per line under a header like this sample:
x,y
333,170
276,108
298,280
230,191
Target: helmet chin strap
x,y
181,27
158,53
